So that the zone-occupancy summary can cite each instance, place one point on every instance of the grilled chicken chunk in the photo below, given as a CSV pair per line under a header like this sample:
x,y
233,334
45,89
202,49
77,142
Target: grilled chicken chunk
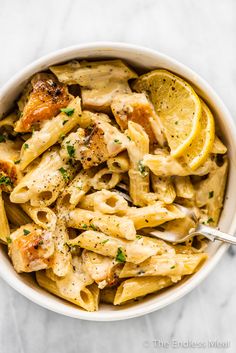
x,y
31,248
137,108
42,100
95,144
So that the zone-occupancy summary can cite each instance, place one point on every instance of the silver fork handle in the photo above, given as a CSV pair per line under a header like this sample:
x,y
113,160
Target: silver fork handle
x,y
215,234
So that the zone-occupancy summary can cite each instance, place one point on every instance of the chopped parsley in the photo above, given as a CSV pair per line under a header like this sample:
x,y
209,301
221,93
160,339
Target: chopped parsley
x,y
104,241
142,169
2,138
68,111
26,146
17,162
26,231
138,236
172,267
120,256
93,226
64,122
117,141
6,181
9,241
70,150
211,194
84,226
64,174
128,138
210,220
40,242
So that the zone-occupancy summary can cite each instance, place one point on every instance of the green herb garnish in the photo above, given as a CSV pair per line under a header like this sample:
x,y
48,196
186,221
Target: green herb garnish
x,y
67,111
120,256
9,241
64,174
172,267
26,231
6,180
138,236
211,194
142,169
17,162
2,138
104,241
93,226
26,146
64,122
210,220
117,141
84,226
70,150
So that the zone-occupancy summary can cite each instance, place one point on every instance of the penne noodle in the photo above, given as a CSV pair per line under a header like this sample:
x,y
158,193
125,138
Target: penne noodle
x,y
14,212
42,216
5,230
163,188
42,185
153,215
119,163
138,287
109,224
105,201
165,265
135,251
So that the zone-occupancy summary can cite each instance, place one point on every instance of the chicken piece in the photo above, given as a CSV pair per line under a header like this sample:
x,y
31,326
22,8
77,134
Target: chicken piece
x,y
137,108
103,270
9,168
42,100
94,144
31,248
100,81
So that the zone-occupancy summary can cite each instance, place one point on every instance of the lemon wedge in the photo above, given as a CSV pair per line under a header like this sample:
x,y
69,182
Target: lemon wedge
x,y
202,145
177,105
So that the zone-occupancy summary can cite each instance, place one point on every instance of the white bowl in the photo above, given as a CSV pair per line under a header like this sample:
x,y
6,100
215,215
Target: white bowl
x,y
146,59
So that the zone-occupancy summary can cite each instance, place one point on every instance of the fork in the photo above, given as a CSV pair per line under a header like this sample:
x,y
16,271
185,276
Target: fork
x,y
175,237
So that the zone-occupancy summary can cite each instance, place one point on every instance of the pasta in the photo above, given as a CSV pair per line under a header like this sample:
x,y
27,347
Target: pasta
x,y
110,224
90,163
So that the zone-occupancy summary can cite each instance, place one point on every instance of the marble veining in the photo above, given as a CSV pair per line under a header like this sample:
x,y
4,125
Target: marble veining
x,y
202,35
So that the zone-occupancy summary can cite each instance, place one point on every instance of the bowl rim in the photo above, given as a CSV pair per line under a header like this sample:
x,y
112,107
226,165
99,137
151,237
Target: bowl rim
x,y
173,296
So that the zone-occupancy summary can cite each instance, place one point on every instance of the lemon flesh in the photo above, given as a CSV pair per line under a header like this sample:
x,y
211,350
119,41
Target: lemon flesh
x,y
198,152
177,105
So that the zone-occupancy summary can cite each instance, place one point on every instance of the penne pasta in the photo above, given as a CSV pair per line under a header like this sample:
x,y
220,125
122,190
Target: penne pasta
x,y
122,250
74,287
163,164
165,265
5,229
138,287
119,163
184,187
41,186
109,224
15,213
138,174
153,215
105,179
105,201
163,188
42,216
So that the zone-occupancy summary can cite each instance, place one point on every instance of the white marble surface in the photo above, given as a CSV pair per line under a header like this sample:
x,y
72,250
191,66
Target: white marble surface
x,y
201,34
